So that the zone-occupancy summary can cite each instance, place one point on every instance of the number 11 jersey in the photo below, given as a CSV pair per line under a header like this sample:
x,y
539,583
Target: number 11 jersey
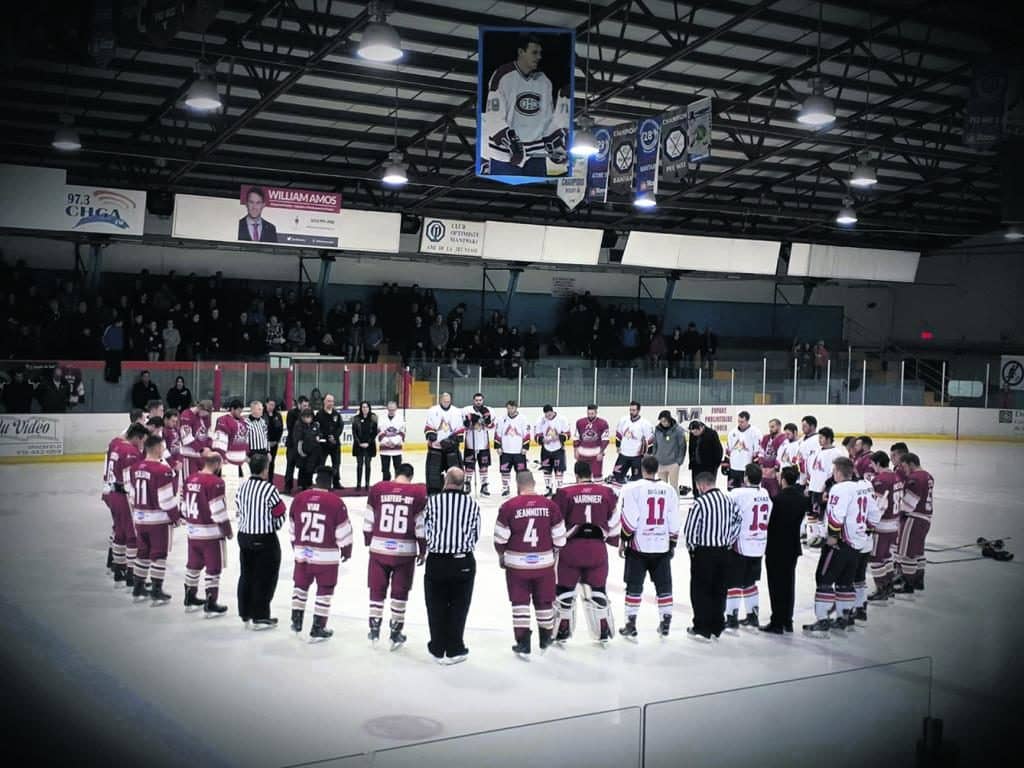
x,y
756,506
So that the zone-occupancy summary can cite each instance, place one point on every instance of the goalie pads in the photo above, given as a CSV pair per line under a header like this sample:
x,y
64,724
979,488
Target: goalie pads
x,y
596,606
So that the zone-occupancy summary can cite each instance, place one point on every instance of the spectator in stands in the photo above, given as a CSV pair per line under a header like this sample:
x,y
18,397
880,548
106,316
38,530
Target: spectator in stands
x,y
354,343
820,359
296,337
691,346
172,340
138,337
143,391
515,351
154,342
531,349
327,345
113,350
194,337
806,361
708,350
373,337
675,353
18,394
418,344
179,397
655,347
213,349
438,339
54,392
275,335
86,345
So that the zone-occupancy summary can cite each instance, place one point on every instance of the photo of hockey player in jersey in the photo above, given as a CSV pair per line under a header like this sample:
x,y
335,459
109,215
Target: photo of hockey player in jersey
x,y
524,103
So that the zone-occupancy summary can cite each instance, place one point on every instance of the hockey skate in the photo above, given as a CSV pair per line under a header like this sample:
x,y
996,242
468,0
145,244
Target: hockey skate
x,y
484,491
139,591
397,638
119,574
664,625
751,620
129,577
319,631
212,609
820,628
880,596
505,493
192,602
861,613
544,638
159,597
606,636
522,647
297,617
629,631
732,621
374,634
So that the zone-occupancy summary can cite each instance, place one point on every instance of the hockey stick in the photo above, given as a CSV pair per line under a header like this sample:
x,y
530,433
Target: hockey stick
x,y
965,546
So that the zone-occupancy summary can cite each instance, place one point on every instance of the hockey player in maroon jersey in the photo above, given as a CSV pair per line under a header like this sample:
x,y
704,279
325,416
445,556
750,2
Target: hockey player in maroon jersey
x,y
915,521
172,439
205,513
196,436
122,454
896,453
231,441
768,458
154,508
862,462
527,532
321,539
590,440
591,516
888,488
393,532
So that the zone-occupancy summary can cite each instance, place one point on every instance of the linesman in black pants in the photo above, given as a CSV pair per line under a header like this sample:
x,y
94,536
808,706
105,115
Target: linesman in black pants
x,y
260,516
452,528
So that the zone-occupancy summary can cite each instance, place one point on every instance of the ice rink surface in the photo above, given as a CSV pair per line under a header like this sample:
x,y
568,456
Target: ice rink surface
x,y
168,688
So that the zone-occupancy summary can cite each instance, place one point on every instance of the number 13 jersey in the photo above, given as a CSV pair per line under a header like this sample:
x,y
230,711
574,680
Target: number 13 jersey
x,y
756,506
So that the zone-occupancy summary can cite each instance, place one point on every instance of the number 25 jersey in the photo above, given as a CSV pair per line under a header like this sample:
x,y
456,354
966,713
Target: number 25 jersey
x,y
756,506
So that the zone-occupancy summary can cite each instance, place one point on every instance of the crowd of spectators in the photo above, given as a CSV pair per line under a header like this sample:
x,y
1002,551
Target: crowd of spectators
x,y
810,362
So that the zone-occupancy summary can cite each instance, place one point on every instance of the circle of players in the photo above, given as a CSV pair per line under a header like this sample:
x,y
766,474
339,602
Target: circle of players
x,y
865,509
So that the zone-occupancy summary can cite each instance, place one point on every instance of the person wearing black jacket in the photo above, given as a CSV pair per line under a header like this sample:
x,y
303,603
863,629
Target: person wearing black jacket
x,y
705,452
308,448
364,442
143,391
331,427
275,428
179,397
783,549
18,394
291,454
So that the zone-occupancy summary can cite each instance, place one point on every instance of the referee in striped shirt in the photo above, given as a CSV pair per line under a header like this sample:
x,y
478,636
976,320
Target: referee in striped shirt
x,y
260,515
256,434
452,527
711,529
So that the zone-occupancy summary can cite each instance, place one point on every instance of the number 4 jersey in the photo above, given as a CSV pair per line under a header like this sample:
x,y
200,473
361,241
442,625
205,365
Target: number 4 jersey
x,y
393,522
527,531
321,532
756,506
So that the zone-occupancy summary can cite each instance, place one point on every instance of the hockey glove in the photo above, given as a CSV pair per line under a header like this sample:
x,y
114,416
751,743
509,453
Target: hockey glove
x,y
561,439
431,437
618,443
554,145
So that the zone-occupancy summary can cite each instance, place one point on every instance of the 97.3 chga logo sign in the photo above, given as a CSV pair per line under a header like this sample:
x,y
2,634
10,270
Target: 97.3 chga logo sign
x,y
101,206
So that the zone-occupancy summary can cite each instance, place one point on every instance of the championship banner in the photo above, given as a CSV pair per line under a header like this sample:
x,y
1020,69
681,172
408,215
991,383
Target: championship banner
x,y
648,144
31,435
573,190
621,171
289,216
985,115
597,166
674,142
525,91
698,131
452,237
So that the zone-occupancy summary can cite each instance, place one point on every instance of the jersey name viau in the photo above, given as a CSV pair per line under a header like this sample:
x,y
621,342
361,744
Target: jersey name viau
x,y
650,515
756,507
320,528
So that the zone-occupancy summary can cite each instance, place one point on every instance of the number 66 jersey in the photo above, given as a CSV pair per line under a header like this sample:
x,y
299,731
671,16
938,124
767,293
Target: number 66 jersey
x,y
756,506
393,521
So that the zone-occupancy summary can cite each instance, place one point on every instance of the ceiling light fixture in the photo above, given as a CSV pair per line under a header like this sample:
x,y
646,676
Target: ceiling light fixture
x,y
584,142
66,138
847,214
645,201
864,174
380,41
817,110
1014,233
395,170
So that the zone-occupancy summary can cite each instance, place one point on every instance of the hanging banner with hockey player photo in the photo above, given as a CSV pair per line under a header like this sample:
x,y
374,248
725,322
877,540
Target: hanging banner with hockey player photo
x,y
648,143
622,167
525,90
573,189
698,129
597,166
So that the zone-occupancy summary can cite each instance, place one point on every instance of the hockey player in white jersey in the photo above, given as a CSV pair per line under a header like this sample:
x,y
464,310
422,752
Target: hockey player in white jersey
x,y
477,421
809,446
525,131
442,430
633,435
755,504
789,453
819,478
743,445
873,517
651,520
846,518
512,439
551,432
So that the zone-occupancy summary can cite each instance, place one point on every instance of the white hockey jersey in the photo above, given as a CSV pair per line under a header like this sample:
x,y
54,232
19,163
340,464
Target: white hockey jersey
x,y
756,506
789,454
650,515
513,433
548,432
848,505
520,116
807,449
742,446
445,422
635,436
477,435
820,469
391,434
874,513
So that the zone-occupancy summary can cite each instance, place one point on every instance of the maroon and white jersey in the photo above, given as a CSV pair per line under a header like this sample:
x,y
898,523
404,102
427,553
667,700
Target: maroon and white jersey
x,y
203,507
590,511
917,494
848,505
321,532
862,466
231,439
194,433
121,457
393,521
390,434
770,449
477,435
154,493
527,531
755,504
888,489
591,437
172,446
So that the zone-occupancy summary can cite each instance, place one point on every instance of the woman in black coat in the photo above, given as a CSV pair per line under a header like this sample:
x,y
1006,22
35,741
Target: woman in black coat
x,y
179,396
364,442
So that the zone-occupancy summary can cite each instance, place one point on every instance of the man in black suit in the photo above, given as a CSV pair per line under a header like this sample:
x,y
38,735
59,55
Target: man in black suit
x,y
705,451
253,227
783,549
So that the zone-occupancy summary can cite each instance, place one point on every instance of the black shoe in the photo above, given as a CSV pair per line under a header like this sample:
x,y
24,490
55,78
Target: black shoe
x,y
751,620
192,601
458,658
820,628
919,581
772,629
211,609
139,591
297,618
732,621
157,593
522,647
374,634
484,491
693,634
319,630
630,629
397,638
264,623
544,638
788,626
860,614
